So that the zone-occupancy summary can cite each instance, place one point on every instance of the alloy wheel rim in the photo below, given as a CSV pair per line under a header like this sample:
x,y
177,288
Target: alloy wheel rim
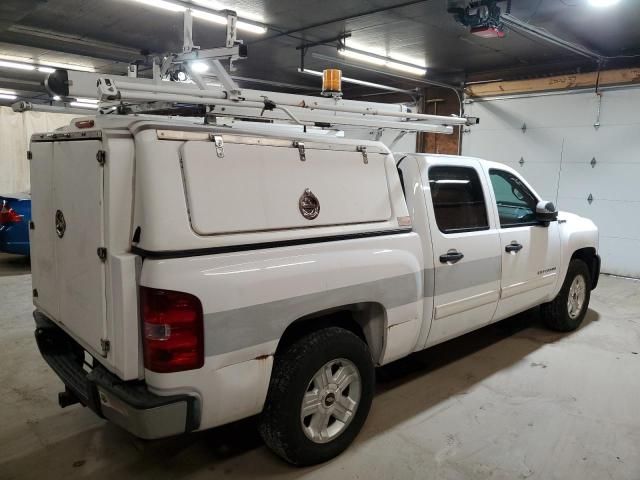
x,y
331,400
577,296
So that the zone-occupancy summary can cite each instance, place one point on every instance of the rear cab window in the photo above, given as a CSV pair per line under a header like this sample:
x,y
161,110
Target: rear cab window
x,y
458,199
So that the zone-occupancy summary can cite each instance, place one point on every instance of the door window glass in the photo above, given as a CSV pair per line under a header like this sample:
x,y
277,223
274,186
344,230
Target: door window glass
x,y
458,200
516,203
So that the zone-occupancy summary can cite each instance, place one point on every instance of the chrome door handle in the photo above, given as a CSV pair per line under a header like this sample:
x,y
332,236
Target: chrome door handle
x,y
513,247
452,256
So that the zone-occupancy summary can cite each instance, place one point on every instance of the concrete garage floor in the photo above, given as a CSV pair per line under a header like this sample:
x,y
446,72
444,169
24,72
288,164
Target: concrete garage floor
x,y
509,401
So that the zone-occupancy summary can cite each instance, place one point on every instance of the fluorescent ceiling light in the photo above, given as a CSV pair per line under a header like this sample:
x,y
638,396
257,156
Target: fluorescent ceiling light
x,y
381,60
199,67
361,56
220,18
603,3
251,27
19,66
83,105
6,96
162,4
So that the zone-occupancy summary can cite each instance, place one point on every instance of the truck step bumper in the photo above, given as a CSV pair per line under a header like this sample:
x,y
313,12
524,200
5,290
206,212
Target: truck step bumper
x,y
127,404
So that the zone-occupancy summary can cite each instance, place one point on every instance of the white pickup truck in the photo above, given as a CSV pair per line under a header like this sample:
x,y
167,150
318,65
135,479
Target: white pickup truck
x,y
186,276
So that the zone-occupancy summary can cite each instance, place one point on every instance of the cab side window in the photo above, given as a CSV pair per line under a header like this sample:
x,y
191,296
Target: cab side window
x,y
458,199
516,203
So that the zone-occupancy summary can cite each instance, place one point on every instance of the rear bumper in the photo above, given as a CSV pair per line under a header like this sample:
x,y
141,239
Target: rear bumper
x,y
128,404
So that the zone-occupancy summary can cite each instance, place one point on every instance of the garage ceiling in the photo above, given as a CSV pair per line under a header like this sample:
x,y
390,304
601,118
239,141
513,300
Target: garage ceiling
x,y
110,33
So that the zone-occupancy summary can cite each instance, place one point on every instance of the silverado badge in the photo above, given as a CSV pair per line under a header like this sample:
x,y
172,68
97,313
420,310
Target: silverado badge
x,y
309,205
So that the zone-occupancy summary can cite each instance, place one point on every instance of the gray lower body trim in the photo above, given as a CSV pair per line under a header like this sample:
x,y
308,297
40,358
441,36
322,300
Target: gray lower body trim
x,y
257,324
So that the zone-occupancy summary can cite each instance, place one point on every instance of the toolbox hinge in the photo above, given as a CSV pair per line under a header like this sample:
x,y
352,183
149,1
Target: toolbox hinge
x,y
101,156
102,254
105,346
362,149
219,143
301,150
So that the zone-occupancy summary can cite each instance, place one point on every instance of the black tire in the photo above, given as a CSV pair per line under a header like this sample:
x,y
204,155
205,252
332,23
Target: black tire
x,y
280,424
556,313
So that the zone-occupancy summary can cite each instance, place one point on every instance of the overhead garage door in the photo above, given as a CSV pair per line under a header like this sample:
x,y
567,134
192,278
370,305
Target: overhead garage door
x,y
595,172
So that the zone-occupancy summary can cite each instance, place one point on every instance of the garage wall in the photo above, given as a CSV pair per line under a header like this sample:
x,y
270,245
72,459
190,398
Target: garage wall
x,y
15,131
555,151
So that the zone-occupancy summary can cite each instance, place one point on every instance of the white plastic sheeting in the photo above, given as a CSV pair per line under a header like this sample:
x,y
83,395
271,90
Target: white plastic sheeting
x,y
594,172
15,132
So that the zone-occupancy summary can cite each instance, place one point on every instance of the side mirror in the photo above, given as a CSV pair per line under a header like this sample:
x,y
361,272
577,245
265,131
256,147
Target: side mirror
x,y
546,212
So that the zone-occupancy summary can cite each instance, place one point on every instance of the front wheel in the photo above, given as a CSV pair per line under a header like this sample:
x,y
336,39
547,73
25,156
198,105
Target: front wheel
x,y
566,312
319,396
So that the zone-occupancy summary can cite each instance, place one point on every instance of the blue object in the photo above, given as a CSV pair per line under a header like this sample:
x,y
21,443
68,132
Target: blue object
x,y
15,215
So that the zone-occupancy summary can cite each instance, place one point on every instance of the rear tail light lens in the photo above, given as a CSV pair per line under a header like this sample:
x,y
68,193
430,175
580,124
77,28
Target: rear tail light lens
x,y
172,329
9,215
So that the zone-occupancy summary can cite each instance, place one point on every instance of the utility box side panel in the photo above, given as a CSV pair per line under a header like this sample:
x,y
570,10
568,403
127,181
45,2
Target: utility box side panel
x,y
252,188
191,197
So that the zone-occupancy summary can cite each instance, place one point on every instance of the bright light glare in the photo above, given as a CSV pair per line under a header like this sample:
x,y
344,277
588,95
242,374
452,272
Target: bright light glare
x,y
19,66
56,98
603,3
5,96
199,67
87,100
46,69
4,91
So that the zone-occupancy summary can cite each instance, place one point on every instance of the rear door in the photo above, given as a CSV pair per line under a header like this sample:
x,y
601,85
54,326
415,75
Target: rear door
x,y
67,203
466,246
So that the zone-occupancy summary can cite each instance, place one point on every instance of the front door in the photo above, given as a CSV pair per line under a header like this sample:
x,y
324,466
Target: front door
x,y
466,247
530,251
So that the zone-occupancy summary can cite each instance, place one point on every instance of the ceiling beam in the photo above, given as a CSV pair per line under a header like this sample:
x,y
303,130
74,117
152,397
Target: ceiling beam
x,y
626,76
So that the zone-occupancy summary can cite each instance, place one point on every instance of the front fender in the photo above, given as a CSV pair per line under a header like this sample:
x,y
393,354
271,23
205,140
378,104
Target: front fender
x,y
576,233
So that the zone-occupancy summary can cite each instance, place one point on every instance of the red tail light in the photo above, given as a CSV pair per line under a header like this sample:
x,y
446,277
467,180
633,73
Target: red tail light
x,y
172,329
9,215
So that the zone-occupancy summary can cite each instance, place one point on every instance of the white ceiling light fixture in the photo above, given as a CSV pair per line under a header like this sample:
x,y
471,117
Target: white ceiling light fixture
x,y
218,18
603,3
172,7
386,61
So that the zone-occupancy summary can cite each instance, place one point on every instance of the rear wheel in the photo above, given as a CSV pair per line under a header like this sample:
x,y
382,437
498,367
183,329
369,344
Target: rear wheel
x,y
319,396
567,311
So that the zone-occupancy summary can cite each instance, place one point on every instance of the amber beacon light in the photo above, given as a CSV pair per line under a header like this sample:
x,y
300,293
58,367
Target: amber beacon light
x,y
332,82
